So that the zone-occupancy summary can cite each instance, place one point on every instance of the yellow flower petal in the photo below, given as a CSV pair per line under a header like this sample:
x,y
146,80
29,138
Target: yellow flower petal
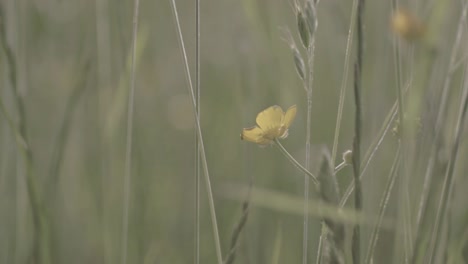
x,y
255,135
272,123
270,118
289,116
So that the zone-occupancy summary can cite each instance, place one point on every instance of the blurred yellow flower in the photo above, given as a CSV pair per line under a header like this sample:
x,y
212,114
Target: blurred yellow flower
x,y
272,123
407,25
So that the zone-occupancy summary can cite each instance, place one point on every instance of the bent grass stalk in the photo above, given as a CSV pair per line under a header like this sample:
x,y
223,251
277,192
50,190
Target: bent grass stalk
x,y
200,137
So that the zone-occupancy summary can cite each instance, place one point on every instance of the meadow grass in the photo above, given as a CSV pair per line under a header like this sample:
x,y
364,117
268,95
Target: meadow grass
x,y
99,164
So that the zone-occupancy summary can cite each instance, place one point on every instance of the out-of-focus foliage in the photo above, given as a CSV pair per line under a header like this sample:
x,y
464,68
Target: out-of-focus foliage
x,y
246,66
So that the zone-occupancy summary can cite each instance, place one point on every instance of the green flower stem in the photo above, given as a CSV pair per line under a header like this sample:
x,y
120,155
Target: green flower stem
x,y
340,166
295,162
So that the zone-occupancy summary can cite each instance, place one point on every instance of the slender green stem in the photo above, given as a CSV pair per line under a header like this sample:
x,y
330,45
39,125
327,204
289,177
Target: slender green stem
x,y
295,162
41,238
277,246
356,239
441,117
129,141
449,177
20,142
318,260
340,166
344,81
63,132
383,206
231,255
204,163
197,146
370,153
310,79
402,131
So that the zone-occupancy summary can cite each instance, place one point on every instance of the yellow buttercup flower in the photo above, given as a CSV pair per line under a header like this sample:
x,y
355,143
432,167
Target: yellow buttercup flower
x,y
407,25
272,123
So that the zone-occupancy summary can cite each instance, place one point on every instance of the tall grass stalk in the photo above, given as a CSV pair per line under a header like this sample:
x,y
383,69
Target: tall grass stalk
x,y
318,258
128,148
344,82
306,18
204,163
231,255
41,237
277,245
440,118
197,147
356,239
62,134
333,237
403,140
429,63
305,231
310,85
376,143
449,177
104,69
383,206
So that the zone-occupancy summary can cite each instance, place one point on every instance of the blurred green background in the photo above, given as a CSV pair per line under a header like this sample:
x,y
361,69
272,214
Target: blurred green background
x,y
73,70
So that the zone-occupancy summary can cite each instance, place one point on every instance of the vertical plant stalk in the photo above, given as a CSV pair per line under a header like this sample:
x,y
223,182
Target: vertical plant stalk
x,y
103,79
372,150
383,206
197,147
306,19
344,81
449,178
323,232
41,238
422,206
63,132
402,131
356,240
307,25
310,80
204,163
305,235
128,148
277,246
333,238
